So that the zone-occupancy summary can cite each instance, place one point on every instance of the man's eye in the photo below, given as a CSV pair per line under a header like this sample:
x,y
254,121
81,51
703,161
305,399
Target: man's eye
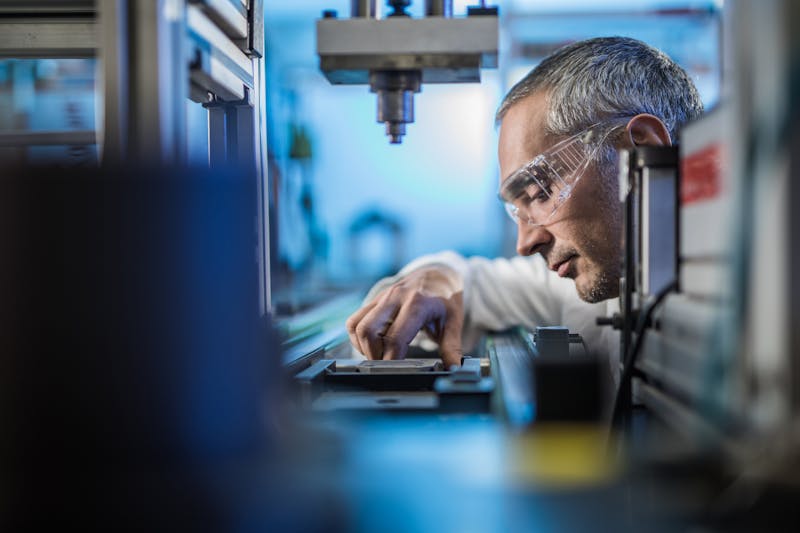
x,y
536,193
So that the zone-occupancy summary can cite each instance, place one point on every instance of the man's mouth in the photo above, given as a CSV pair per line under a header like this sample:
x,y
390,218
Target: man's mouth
x,y
563,266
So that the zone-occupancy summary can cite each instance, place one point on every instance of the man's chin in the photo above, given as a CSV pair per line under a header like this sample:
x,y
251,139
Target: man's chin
x,y
593,290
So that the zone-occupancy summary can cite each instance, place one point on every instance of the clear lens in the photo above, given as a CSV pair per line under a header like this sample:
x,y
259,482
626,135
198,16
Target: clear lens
x,y
534,192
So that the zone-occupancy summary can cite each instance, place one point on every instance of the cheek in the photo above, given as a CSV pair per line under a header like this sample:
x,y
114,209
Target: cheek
x,y
597,220
595,235
591,222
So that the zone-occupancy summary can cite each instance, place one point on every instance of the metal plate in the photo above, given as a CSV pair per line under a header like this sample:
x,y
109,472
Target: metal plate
x,y
403,366
41,37
42,7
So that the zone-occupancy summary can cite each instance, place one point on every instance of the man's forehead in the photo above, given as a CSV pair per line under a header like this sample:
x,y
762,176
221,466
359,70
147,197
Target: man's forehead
x,y
523,133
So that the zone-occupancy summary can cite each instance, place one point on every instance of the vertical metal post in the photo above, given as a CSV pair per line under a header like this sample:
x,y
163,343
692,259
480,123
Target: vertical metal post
x,y
231,131
245,136
112,122
159,86
144,80
630,218
255,30
793,222
217,141
362,8
263,184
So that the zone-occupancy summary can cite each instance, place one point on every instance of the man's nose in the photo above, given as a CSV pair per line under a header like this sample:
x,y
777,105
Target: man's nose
x,y
530,239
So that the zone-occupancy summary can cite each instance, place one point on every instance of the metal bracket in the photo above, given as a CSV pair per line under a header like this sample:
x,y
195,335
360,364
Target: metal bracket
x,y
246,101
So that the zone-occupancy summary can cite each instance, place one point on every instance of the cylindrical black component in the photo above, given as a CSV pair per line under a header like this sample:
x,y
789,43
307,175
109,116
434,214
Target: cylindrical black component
x,y
395,106
395,90
439,8
395,110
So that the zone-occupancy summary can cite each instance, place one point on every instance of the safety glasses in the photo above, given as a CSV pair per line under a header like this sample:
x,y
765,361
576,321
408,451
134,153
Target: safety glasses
x,y
533,193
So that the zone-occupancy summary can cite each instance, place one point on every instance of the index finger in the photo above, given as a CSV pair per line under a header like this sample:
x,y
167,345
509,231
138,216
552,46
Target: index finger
x,y
408,322
353,321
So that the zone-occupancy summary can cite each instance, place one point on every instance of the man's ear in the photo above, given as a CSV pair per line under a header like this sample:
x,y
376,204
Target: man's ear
x,y
647,130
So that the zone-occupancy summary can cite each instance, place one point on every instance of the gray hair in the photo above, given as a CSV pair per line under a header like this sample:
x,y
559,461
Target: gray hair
x,y
607,77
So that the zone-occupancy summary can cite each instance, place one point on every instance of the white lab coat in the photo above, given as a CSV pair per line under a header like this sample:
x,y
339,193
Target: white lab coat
x,y
522,291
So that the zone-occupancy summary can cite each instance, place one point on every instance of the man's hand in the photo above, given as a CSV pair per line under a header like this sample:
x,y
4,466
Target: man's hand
x,y
429,299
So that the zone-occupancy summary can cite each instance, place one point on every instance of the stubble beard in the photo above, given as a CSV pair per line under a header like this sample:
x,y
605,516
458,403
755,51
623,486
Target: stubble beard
x,y
604,285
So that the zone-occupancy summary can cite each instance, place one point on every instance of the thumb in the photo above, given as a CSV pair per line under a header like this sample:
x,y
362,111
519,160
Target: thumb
x,y
450,345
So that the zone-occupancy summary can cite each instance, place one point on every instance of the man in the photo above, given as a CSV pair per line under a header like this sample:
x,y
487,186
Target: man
x,y
561,128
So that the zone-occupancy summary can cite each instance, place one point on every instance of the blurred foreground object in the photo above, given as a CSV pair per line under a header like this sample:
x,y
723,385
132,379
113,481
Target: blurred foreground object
x,y
137,372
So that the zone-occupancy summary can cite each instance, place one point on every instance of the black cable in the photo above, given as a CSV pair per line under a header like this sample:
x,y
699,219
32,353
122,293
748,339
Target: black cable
x,y
633,353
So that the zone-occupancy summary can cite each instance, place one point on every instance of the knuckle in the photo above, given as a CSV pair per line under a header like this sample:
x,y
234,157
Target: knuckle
x,y
393,291
363,331
414,297
417,300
